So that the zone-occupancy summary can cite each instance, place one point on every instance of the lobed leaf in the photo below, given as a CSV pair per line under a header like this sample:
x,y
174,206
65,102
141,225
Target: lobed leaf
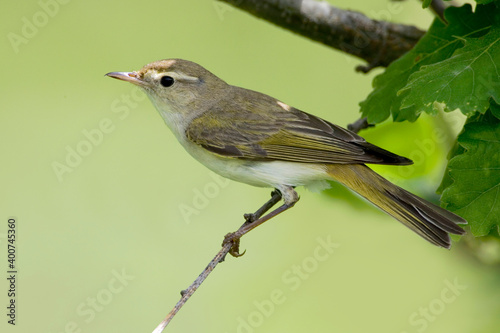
x,y
475,175
464,81
438,44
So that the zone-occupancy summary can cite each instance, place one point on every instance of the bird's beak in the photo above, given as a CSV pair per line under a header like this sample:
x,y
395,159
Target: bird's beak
x,y
131,77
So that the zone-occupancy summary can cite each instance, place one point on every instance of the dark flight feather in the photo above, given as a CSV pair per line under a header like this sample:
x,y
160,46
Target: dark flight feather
x,y
282,133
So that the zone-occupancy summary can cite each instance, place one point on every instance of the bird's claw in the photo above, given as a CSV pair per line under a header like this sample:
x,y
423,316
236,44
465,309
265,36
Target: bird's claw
x,y
234,240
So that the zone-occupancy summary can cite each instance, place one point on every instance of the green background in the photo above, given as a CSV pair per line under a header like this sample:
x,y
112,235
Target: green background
x,y
120,207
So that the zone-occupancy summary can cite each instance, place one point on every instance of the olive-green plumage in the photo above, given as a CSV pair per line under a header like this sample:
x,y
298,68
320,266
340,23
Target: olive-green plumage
x,y
428,220
281,133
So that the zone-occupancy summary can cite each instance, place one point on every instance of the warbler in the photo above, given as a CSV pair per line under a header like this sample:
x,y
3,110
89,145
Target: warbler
x,y
256,139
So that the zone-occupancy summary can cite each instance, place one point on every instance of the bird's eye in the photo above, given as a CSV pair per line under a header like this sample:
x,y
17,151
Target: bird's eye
x,y
167,81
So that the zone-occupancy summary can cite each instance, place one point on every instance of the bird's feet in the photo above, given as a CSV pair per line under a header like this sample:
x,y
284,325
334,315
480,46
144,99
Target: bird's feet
x,y
233,238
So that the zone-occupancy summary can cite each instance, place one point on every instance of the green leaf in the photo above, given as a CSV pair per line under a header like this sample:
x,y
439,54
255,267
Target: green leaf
x,y
447,180
466,80
426,3
482,2
495,110
475,191
438,44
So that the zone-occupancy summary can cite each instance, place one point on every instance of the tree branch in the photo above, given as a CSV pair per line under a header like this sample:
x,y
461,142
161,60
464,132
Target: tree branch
x,y
187,293
377,42
438,7
359,125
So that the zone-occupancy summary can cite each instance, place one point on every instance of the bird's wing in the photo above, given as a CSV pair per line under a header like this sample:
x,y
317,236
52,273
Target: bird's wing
x,y
283,133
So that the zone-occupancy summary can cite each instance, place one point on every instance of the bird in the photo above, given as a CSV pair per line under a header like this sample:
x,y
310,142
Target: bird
x,y
253,138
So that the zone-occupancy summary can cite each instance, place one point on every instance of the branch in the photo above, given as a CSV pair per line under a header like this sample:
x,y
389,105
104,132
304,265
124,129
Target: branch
x,y
377,42
438,7
219,257
359,125
187,293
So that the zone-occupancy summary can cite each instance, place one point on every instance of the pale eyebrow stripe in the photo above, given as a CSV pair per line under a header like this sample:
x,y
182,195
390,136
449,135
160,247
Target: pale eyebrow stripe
x,y
183,77
178,76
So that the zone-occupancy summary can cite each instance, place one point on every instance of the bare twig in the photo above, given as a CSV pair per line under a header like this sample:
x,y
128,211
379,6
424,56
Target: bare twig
x,y
219,257
359,125
186,294
377,42
438,7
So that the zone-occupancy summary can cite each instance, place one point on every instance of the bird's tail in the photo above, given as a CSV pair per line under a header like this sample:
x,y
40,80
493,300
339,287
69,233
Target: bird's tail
x,y
428,220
